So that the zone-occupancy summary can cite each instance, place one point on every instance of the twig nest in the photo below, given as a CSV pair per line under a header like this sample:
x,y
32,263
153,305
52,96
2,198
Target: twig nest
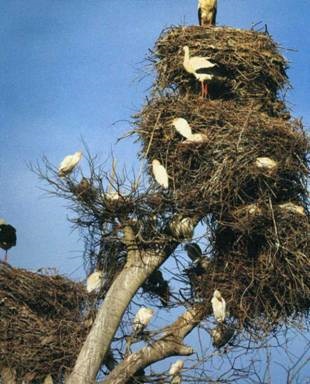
x,y
249,210
266,165
293,208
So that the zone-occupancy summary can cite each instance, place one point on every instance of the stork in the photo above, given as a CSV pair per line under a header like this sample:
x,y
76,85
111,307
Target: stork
x,y
7,237
68,164
200,67
182,126
160,173
207,12
218,306
176,368
95,281
142,319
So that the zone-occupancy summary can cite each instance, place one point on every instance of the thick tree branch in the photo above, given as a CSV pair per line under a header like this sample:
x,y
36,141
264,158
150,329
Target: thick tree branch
x,y
137,269
170,344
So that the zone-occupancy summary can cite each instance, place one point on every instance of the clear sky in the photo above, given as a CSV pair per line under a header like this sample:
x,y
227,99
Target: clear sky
x,y
69,69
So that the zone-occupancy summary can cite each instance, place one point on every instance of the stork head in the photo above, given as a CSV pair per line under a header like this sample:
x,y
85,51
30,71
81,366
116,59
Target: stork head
x,y
155,163
217,294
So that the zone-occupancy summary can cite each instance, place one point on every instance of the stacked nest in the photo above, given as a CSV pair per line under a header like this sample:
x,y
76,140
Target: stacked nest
x,y
248,177
250,63
221,172
41,328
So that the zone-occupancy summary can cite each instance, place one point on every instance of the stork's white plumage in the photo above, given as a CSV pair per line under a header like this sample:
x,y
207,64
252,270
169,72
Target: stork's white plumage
x,y
176,379
294,208
182,228
176,368
69,163
266,164
182,126
142,319
95,281
218,306
207,12
48,380
193,250
200,67
160,173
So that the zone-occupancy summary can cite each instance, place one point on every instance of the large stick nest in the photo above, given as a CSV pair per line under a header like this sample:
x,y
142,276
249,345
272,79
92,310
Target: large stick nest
x,y
250,63
41,327
263,272
221,171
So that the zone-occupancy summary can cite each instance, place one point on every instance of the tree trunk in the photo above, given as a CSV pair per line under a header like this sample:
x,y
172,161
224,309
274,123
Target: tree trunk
x,y
170,344
138,268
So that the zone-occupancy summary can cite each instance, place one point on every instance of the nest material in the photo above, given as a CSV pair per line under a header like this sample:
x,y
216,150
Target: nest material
x,y
263,273
41,327
221,172
250,63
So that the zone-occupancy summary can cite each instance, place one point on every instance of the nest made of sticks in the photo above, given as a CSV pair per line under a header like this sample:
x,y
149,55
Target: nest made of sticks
x,y
41,322
263,272
250,63
221,171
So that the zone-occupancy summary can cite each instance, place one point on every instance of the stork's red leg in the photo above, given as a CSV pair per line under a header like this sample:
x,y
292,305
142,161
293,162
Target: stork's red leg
x,y
206,90
202,90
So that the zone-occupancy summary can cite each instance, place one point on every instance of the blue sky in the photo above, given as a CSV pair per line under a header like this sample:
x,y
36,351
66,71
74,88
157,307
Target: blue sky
x,y
69,69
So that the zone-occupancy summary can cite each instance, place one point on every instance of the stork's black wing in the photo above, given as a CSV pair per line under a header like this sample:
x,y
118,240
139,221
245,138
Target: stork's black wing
x,y
199,15
7,236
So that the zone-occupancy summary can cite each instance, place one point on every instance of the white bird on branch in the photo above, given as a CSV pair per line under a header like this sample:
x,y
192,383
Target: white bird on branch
x,y
7,237
182,126
218,306
142,319
200,67
95,281
69,163
207,12
176,368
160,173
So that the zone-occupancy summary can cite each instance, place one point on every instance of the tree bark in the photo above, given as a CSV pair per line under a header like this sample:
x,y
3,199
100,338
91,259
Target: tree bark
x,y
170,344
138,268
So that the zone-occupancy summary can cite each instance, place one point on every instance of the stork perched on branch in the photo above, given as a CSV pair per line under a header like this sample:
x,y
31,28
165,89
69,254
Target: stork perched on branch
x,y
207,12
69,163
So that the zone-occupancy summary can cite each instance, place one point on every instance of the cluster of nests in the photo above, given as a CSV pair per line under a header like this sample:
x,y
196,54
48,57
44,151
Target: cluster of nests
x,y
41,327
247,178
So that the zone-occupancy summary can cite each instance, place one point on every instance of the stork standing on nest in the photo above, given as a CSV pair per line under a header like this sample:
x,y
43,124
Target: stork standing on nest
x,y
7,237
184,129
160,173
200,67
207,12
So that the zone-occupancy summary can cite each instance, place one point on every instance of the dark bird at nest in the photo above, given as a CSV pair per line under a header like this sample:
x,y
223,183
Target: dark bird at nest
x,y
7,237
207,12
221,335
158,286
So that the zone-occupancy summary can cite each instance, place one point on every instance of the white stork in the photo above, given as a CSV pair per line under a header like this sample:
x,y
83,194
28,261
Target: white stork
x,y
142,319
176,368
95,281
266,164
182,126
218,306
160,173
207,12
294,208
69,163
200,67
7,237
182,227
